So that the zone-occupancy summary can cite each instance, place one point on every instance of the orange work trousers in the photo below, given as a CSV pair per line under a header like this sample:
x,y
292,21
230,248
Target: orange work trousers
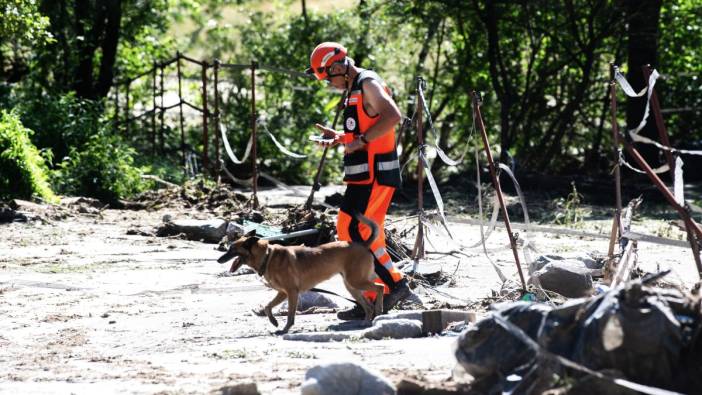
x,y
372,201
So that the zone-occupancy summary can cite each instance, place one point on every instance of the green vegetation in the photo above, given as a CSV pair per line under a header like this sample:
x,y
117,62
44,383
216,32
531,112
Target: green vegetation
x,y
24,173
102,168
542,67
569,211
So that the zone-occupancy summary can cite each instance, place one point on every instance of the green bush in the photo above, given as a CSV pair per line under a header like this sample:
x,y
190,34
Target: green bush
x,y
102,168
60,121
23,173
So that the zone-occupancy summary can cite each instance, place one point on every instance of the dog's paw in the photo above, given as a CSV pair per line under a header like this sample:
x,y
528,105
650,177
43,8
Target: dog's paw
x,y
281,332
260,311
273,320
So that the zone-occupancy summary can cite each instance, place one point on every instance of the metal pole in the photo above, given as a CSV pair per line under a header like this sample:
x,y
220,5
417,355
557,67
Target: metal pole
x,y
163,112
217,120
498,188
153,113
205,115
418,250
694,232
316,185
254,177
660,125
180,106
616,225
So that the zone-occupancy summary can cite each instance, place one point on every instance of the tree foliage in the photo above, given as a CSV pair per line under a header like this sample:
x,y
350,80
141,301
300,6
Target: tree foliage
x,y
543,68
24,173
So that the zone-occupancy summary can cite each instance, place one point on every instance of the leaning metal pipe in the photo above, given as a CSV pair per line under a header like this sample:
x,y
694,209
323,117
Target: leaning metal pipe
x,y
498,188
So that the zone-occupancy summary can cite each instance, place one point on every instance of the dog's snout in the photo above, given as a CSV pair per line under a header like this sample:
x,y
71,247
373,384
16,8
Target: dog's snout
x,y
230,254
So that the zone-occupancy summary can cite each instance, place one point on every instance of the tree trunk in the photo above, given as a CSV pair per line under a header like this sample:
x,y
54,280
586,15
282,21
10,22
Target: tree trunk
x,y
499,77
83,73
97,23
109,46
643,18
304,15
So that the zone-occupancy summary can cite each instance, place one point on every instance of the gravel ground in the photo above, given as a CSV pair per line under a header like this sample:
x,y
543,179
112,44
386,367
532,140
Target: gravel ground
x,y
88,308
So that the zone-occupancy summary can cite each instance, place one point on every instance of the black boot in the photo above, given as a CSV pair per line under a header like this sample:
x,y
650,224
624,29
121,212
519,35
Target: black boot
x,y
401,292
352,314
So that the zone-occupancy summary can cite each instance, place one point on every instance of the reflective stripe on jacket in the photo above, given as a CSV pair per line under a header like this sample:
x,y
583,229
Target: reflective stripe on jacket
x,y
378,159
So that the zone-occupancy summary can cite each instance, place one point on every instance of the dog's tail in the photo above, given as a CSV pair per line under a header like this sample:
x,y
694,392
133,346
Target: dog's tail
x,y
371,224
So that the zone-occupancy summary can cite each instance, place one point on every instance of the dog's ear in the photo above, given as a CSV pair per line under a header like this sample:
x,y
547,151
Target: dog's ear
x,y
248,243
250,233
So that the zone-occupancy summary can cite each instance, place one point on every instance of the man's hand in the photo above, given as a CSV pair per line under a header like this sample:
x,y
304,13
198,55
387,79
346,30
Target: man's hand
x,y
329,133
353,146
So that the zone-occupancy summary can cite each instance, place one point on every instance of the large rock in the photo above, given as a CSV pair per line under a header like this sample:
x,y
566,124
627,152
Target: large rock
x,y
394,329
344,378
582,259
564,277
208,231
240,389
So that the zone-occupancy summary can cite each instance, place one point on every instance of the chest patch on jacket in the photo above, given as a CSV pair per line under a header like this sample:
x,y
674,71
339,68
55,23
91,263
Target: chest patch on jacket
x,y
350,123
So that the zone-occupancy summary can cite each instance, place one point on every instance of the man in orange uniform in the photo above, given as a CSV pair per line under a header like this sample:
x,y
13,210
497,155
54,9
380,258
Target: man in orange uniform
x,y
371,166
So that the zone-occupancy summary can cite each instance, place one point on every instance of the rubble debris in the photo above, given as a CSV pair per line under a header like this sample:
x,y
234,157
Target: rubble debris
x,y
429,272
649,336
408,386
76,201
197,194
344,378
9,215
208,231
436,321
44,213
398,250
141,231
299,218
238,228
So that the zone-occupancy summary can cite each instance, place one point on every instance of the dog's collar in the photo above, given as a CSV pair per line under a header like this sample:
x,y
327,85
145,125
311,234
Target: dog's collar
x,y
262,269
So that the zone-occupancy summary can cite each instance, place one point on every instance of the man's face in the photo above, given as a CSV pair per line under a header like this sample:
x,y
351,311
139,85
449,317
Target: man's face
x,y
337,81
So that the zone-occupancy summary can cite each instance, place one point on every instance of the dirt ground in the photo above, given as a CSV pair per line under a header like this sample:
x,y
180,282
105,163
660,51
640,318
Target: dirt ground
x,y
88,308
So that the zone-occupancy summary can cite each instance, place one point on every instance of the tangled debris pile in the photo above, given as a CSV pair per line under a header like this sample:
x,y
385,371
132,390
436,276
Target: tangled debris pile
x,y
634,336
197,194
299,218
18,210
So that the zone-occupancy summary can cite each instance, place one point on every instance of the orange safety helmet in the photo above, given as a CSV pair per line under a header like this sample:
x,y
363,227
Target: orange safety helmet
x,y
323,56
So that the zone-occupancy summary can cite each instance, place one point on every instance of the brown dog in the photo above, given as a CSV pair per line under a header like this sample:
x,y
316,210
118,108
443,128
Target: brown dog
x,y
293,270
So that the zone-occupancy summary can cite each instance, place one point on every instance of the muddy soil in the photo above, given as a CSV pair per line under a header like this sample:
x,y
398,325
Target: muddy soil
x,y
88,308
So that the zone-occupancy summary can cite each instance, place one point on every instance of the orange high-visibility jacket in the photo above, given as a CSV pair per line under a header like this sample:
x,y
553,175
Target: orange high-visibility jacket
x,y
377,161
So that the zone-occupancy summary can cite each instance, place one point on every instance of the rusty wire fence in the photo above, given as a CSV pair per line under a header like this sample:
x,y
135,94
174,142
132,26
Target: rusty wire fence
x,y
173,111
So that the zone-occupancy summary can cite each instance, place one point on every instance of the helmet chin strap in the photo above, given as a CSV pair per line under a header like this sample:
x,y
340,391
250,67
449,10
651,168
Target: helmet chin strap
x,y
345,73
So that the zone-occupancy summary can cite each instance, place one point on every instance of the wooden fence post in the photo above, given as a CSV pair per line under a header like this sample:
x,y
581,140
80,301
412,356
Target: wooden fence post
x,y
254,178
180,105
205,137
